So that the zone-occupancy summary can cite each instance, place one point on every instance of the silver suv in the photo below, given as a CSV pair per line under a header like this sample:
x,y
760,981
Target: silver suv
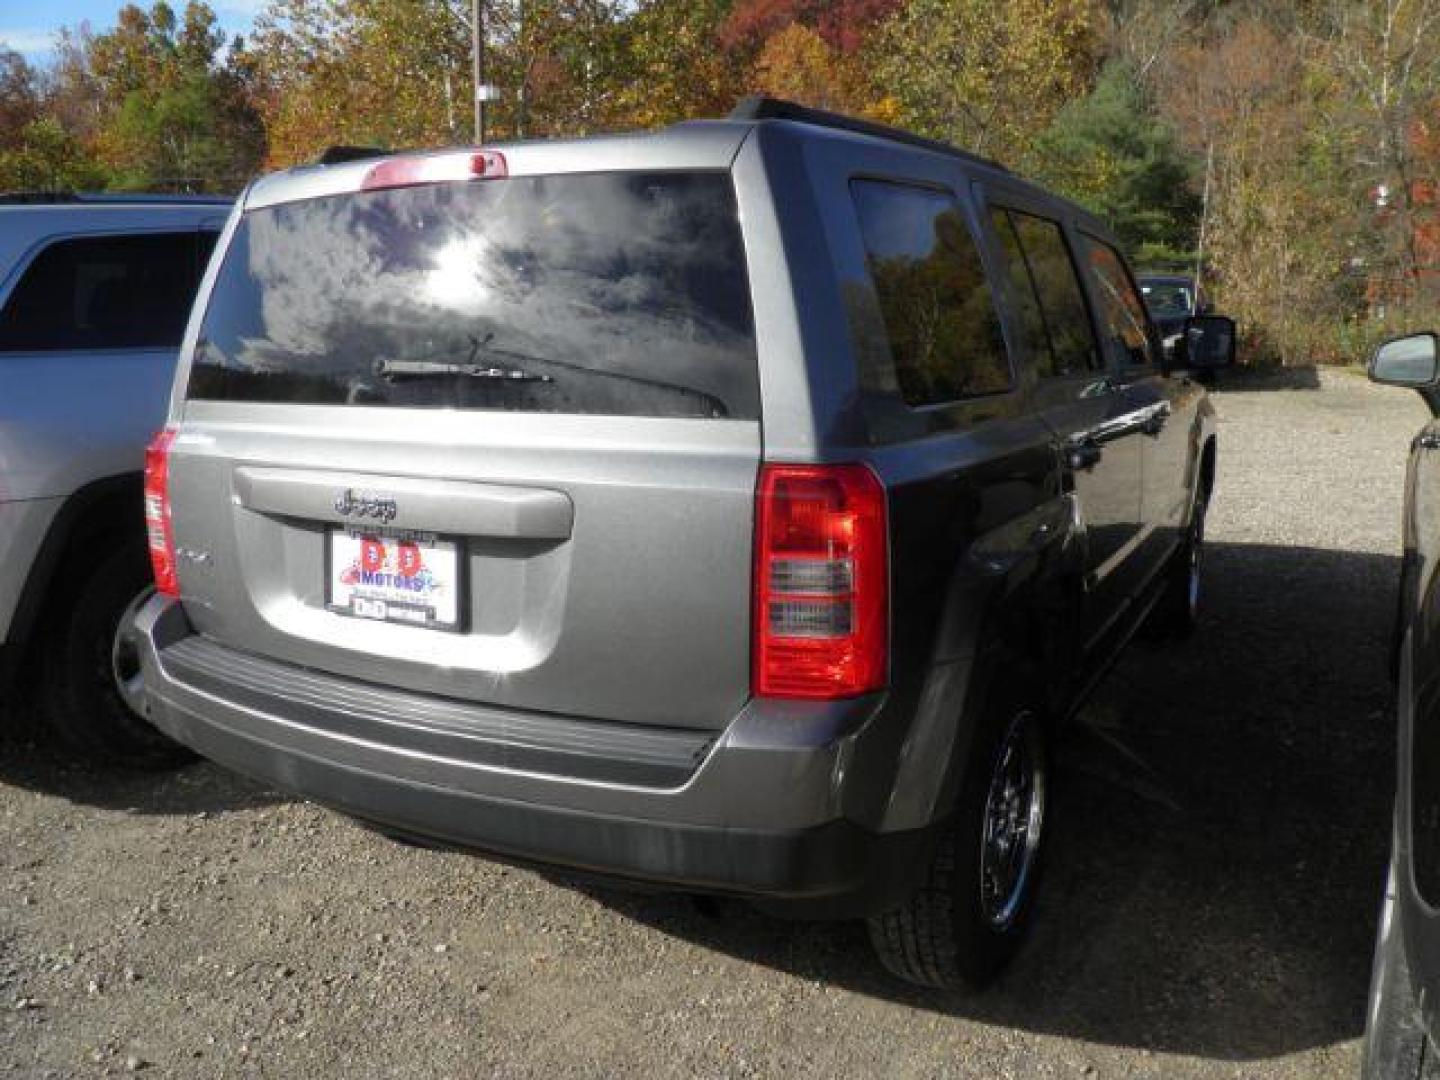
x,y
94,294
733,508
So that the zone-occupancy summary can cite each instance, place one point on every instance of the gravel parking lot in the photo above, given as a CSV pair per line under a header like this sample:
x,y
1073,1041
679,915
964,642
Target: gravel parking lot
x,y
1221,825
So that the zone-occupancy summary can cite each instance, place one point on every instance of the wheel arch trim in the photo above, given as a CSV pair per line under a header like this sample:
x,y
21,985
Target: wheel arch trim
x,y
984,633
77,512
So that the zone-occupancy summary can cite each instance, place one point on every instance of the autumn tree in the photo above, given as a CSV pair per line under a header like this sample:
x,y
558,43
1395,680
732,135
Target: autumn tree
x,y
1281,220
809,51
988,77
843,25
182,118
36,150
674,68
1142,33
154,102
73,95
564,63
19,95
1385,56
370,72
797,64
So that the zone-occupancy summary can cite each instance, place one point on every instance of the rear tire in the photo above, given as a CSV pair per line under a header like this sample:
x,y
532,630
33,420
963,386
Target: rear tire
x,y
963,925
1396,1046
82,666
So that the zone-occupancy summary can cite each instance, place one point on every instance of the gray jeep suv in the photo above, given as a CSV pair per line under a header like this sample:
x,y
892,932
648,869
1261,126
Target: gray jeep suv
x,y
733,508
94,294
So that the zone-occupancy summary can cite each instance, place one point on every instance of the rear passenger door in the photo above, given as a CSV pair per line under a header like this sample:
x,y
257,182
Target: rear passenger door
x,y
1418,799
1163,407
1078,398
969,466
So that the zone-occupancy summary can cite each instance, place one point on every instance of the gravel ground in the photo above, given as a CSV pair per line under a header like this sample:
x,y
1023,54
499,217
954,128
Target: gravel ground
x,y
1221,818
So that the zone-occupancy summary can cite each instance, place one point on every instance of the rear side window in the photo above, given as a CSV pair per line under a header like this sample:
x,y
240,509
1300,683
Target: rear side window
x,y
1122,313
944,334
606,293
1025,301
106,292
1051,272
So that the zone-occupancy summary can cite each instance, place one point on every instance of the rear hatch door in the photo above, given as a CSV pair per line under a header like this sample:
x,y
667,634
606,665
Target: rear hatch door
x,y
492,438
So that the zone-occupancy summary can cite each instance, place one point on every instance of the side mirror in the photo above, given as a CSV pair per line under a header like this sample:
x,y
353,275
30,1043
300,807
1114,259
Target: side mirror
x,y
1203,308
1209,342
1407,361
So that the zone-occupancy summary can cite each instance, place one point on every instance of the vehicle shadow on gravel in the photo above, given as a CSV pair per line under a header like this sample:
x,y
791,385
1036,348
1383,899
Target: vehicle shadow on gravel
x,y
1268,378
1219,837
30,759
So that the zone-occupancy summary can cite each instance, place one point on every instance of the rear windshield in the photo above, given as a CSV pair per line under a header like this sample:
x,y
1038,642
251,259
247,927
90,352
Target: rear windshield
x,y
1165,299
614,293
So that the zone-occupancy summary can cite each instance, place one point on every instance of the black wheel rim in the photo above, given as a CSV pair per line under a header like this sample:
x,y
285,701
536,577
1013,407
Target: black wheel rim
x,y
1013,819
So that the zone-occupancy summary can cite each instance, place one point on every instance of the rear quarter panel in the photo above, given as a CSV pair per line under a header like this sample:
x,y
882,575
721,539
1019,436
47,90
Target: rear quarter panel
x,y
980,531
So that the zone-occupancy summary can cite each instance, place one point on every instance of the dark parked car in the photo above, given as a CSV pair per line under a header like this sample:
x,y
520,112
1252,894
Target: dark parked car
x,y
1405,988
1173,301
1170,299
734,508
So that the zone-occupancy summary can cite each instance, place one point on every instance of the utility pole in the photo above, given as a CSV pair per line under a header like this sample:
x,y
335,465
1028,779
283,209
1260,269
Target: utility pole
x,y
477,68
1204,218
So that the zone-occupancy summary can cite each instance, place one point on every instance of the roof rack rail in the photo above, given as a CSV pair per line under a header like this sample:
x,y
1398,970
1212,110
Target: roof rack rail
x,y
106,198
338,155
36,198
760,107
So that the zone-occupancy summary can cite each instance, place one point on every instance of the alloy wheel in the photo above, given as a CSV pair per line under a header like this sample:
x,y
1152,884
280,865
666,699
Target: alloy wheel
x,y
1013,819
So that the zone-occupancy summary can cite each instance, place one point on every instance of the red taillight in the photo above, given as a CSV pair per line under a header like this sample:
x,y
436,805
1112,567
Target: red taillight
x,y
157,512
821,582
435,169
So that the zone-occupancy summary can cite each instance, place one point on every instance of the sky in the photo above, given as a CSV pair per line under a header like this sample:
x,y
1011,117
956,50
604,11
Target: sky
x,y
28,26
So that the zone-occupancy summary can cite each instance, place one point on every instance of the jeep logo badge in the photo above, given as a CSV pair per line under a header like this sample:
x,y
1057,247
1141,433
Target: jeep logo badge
x,y
379,508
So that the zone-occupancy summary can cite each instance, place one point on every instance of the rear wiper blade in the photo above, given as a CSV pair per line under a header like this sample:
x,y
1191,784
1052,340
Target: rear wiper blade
x,y
482,347
470,368
419,369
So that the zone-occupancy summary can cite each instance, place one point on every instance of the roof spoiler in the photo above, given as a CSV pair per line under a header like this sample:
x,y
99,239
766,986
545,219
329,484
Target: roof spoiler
x,y
339,155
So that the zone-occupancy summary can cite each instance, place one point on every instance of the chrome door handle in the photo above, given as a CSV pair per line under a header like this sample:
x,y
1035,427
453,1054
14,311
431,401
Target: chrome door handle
x,y
1147,421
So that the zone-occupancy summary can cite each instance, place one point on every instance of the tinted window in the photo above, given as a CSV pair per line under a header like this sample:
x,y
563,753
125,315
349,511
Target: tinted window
x,y
1062,302
106,292
1024,300
1122,314
944,335
615,293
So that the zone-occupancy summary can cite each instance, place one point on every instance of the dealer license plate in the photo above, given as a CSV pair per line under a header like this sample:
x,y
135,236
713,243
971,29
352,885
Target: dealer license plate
x,y
397,577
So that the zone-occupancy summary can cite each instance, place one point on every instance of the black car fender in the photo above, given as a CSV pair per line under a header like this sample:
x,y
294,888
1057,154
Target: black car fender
x,y
1012,606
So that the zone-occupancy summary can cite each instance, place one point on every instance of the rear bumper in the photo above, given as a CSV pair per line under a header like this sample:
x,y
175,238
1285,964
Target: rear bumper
x,y
772,808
